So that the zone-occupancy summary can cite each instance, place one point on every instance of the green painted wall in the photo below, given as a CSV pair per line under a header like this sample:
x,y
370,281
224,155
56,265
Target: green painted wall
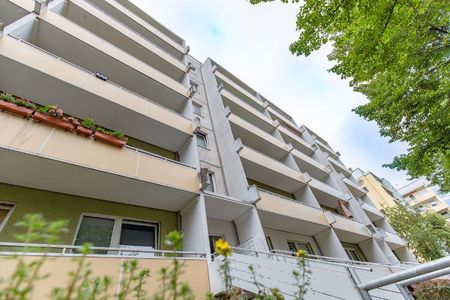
x,y
152,148
270,188
62,206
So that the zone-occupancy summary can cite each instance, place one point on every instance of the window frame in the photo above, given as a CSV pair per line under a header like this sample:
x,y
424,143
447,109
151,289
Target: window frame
x,y
219,235
6,206
117,228
212,177
205,138
307,244
357,250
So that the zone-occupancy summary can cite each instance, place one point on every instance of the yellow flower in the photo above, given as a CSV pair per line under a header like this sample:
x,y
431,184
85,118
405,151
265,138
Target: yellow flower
x,y
223,248
301,253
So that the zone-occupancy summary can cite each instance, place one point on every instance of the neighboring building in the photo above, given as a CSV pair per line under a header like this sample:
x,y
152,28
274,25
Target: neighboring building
x,y
206,153
421,195
380,191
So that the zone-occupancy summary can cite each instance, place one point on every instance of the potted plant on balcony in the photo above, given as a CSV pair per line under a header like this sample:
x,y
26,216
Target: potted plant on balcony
x,y
20,107
86,128
54,116
115,138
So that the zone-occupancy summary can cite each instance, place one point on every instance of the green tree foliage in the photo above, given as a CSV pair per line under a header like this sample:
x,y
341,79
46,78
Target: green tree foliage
x,y
428,235
396,53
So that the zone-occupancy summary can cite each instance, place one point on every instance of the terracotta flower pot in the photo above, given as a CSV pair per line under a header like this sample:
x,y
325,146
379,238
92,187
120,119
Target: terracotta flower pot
x,y
86,132
109,139
62,123
16,109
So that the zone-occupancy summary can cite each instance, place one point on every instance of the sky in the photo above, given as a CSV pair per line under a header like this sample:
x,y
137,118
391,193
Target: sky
x,y
251,41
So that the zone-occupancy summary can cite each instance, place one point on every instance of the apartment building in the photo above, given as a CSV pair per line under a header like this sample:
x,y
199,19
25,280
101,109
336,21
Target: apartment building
x,y
205,153
421,195
380,190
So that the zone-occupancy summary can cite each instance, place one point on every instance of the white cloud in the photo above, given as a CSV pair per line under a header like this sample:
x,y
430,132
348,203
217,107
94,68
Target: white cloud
x,y
252,42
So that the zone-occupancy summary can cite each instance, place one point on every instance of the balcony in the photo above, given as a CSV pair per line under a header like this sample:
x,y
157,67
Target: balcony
x,y
326,194
326,148
247,112
118,34
310,165
355,189
42,157
65,39
61,262
281,117
340,167
267,170
285,214
394,241
36,75
257,138
372,212
147,30
11,12
238,90
348,230
296,140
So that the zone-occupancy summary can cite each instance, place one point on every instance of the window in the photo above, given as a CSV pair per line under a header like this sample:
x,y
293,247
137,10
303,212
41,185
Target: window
x,y
197,109
445,214
269,243
201,140
354,252
211,186
194,87
116,232
295,246
5,210
213,238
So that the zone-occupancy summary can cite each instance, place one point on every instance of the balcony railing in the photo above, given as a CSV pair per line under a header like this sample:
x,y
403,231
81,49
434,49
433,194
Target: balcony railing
x,y
34,249
93,74
158,156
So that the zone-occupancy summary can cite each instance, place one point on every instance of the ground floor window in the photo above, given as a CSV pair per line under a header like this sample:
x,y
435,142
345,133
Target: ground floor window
x,y
354,252
5,211
294,246
213,238
105,231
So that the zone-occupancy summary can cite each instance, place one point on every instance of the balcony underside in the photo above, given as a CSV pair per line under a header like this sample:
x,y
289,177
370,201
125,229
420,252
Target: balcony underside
x,y
80,101
325,194
310,165
40,172
394,242
350,231
10,12
225,208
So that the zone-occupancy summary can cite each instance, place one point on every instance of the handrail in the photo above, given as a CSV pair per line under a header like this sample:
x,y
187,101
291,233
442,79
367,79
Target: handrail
x,y
288,199
93,74
65,248
158,156
137,33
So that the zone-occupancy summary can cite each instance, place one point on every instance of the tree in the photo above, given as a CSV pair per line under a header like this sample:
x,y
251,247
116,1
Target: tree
x,y
396,53
428,235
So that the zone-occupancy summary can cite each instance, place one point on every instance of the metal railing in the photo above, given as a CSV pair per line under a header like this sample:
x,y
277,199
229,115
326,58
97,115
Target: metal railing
x,y
93,74
35,249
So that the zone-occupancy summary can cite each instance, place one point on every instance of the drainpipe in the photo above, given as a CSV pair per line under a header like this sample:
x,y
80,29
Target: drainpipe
x,y
432,266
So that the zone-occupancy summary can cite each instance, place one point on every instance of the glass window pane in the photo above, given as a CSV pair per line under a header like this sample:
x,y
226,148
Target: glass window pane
x,y
97,231
212,242
201,140
197,109
210,186
138,235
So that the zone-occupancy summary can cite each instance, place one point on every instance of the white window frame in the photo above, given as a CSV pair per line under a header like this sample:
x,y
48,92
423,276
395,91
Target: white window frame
x,y
200,107
115,238
206,139
6,206
308,245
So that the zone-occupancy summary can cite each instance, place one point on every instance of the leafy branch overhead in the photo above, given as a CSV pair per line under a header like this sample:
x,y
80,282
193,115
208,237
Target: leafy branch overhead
x,y
396,53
